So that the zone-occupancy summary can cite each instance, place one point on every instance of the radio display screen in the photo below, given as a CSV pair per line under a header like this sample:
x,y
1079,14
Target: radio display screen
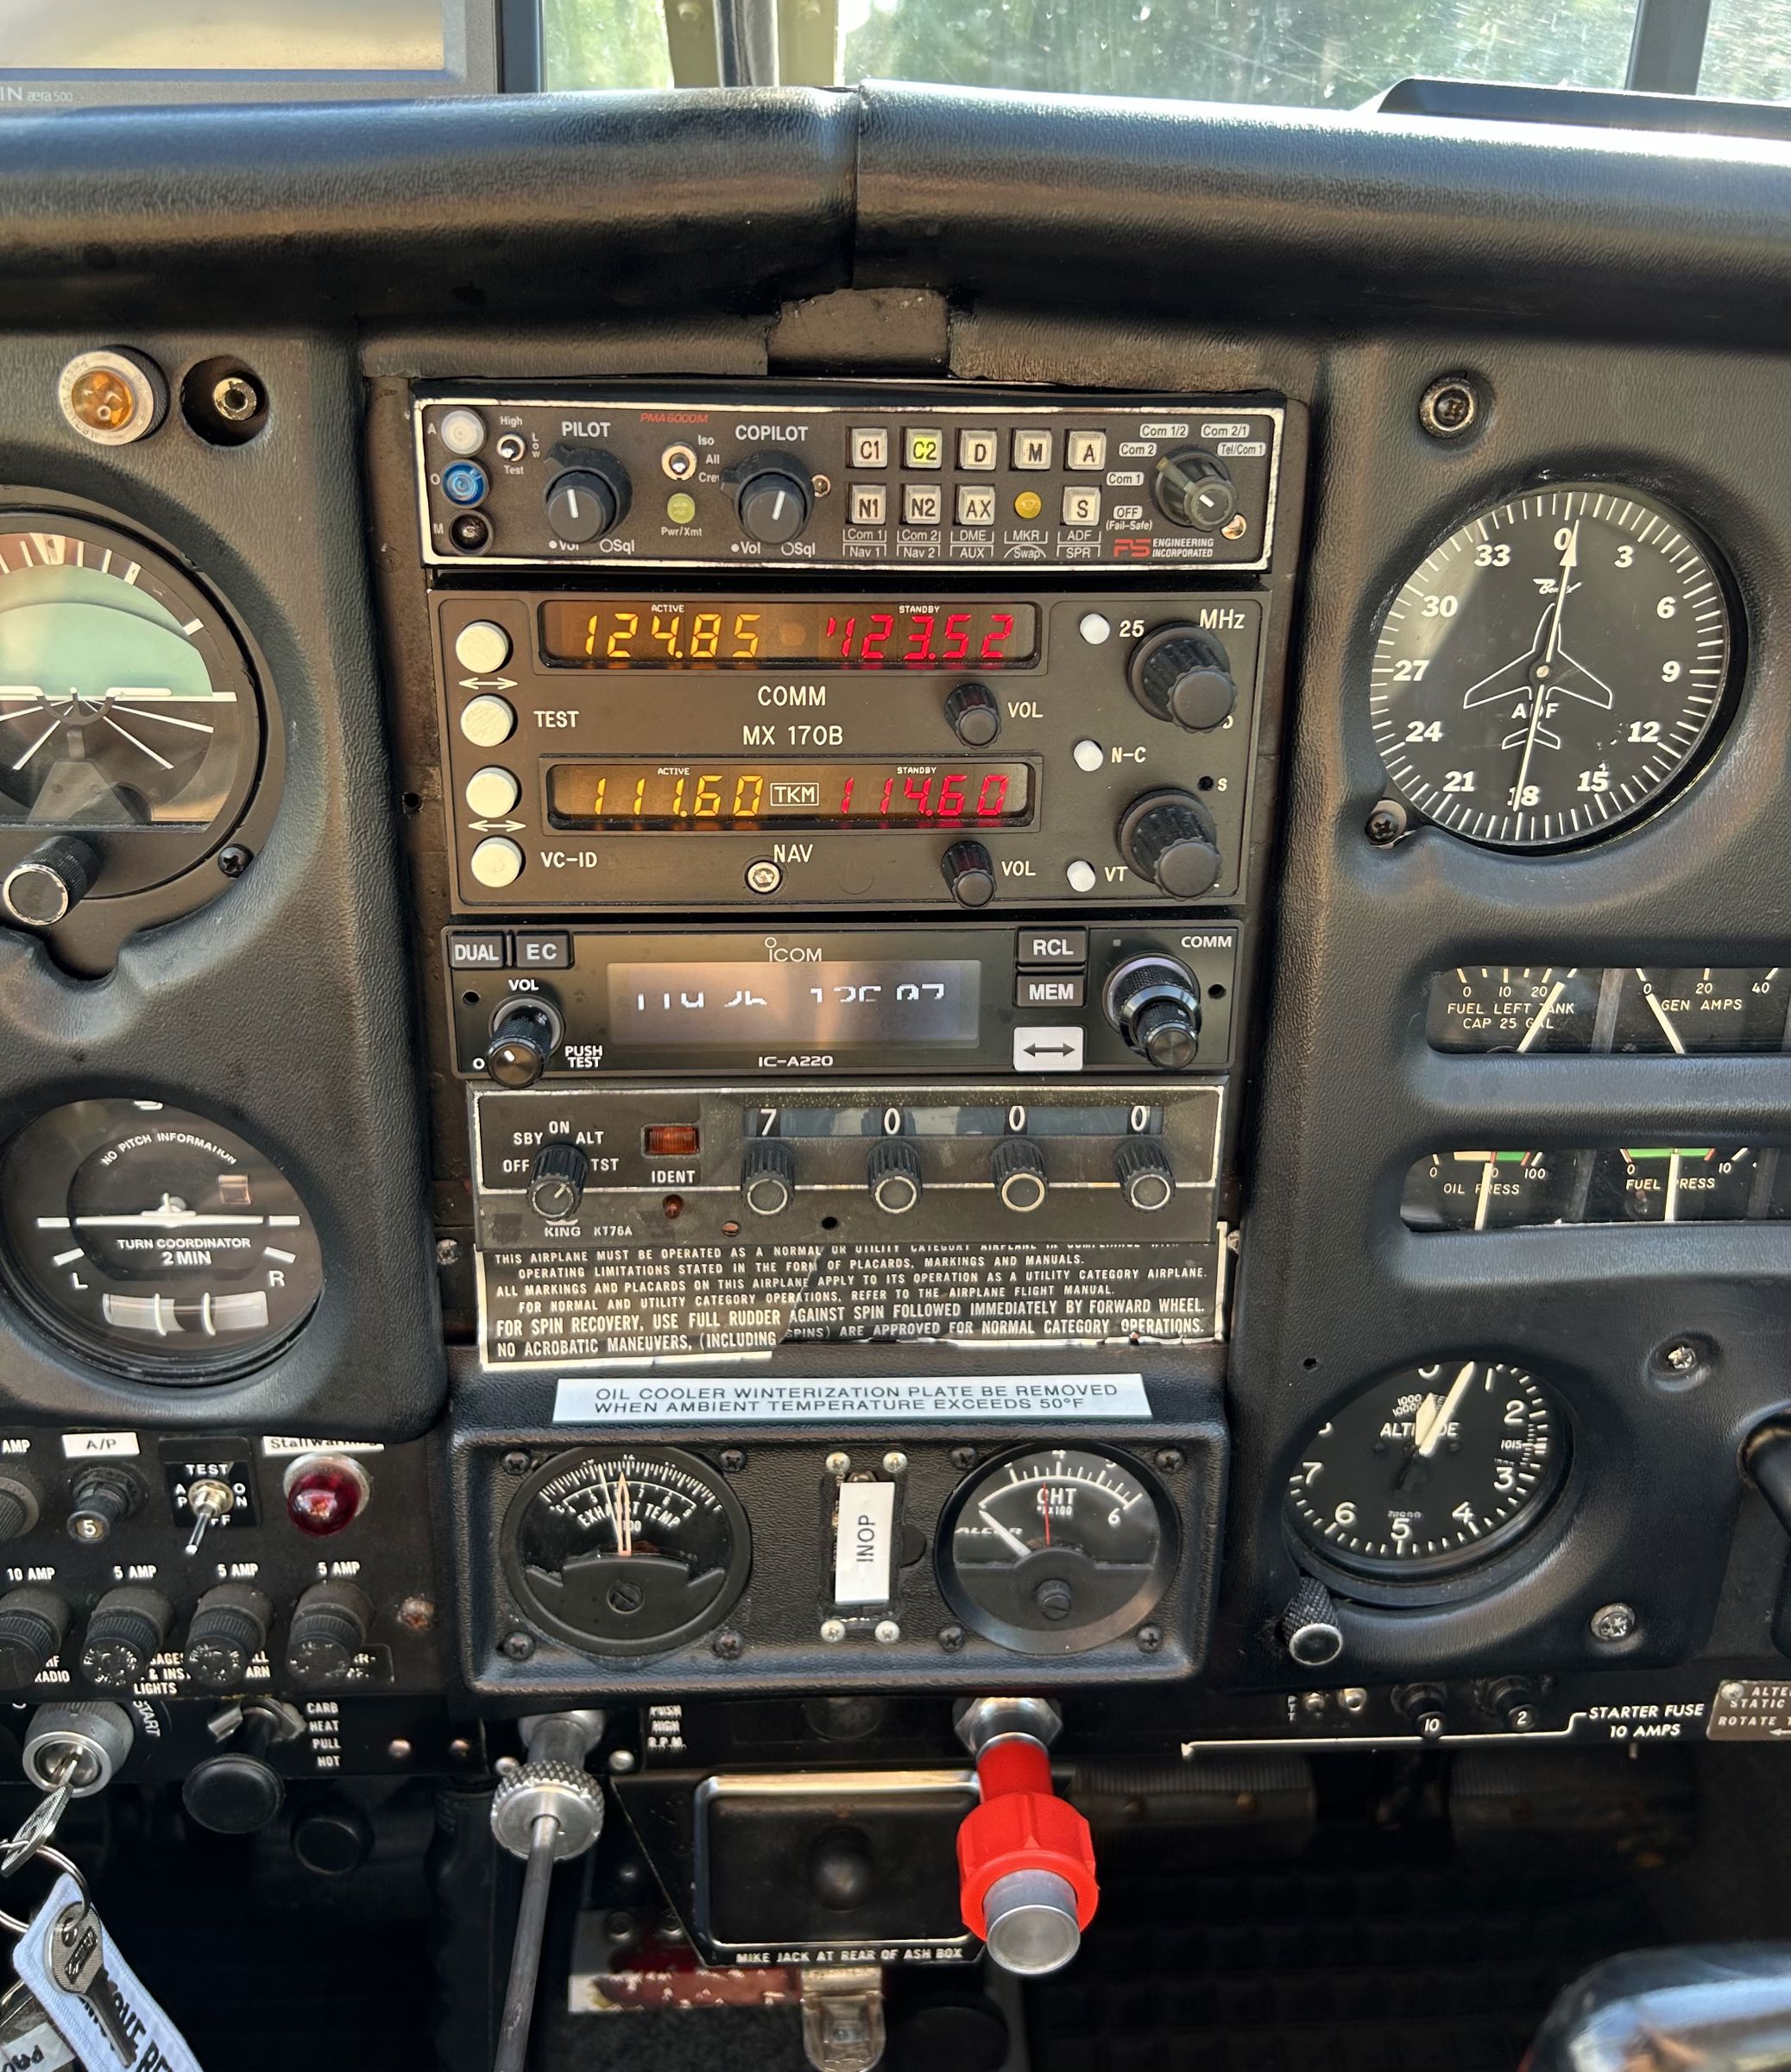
x,y
650,797
760,633
670,1007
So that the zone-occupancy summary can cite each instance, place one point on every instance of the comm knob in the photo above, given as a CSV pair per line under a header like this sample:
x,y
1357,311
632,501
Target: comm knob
x,y
228,1630
1193,489
1180,674
556,1182
893,1176
1017,1170
329,1628
767,1175
1155,1004
1168,839
587,501
774,503
58,873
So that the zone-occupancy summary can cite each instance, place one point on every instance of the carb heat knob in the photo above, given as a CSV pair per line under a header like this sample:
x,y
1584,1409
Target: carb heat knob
x,y
973,715
1168,837
1194,488
1018,1169
330,1623
556,1185
774,505
969,874
587,501
1155,1004
124,1635
893,1176
1146,1177
1179,674
767,1175
229,1629
34,1623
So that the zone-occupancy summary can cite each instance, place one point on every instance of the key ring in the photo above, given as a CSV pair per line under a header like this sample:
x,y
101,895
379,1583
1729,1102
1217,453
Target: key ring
x,y
11,1923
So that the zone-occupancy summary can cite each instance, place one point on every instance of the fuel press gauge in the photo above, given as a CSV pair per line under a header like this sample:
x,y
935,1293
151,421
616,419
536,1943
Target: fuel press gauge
x,y
1681,1183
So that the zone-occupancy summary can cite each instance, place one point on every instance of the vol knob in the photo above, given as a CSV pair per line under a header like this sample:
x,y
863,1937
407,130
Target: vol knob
x,y
767,1177
1194,489
330,1627
34,1623
774,506
556,1185
1018,1169
520,1045
1179,674
585,502
39,892
1155,1004
973,715
969,874
1169,838
228,1630
1146,1177
893,1176
124,1635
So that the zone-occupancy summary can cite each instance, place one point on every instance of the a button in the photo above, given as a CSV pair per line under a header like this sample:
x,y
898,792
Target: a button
x,y
1057,1047
1088,756
976,451
1085,449
922,503
1051,946
923,447
1082,506
870,446
1094,628
1031,450
492,792
764,875
1079,875
678,462
680,507
462,430
1048,989
482,647
976,504
864,1545
487,721
870,504
1028,505
478,952
466,482
536,950
497,861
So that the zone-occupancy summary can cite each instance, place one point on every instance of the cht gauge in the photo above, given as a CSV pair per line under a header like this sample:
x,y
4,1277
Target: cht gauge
x,y
1555,668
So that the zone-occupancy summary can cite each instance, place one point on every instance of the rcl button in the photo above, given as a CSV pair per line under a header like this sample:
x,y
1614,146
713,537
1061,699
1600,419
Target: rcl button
x,y
1048,989
1052,946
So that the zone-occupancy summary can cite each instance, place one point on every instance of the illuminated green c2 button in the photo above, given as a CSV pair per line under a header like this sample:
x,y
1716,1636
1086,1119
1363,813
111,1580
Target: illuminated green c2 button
x,y
680,508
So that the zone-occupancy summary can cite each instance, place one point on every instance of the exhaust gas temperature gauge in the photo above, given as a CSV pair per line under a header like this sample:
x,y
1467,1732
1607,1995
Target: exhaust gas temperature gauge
x,y
1050,1550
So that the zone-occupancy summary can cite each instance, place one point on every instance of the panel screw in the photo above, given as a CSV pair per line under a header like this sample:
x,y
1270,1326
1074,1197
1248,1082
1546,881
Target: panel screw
x,y
1386,823
447,1252
838,1464
416,1614
1354,1699
833,1631
1681,1357
400,1751
622,1761
1150,1638
733,1460
235,399
235,860
1450,408
888,1632
963,1456
1614,1622
894,1463
951,1638
1168,1460
727,1645
516,1462
519,1645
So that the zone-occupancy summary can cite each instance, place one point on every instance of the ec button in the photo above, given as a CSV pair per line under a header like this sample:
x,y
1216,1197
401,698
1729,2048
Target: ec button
x,y
542,952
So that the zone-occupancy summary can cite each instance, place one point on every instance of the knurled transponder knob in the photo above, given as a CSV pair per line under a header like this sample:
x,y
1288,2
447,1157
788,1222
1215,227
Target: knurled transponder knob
x,y
1169,838
34,1623
1146,1177
1180,674
892,1174
767,1175
1017,1168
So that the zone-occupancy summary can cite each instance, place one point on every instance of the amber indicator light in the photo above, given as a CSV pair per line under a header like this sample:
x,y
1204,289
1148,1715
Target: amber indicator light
x,y
673,1139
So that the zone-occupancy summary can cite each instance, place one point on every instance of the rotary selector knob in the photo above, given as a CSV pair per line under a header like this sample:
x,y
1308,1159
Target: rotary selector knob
x,y
1179,674
973,715
774,504
1146,1177
969,874
50,882
767,1177
34,1623
1017,1168
1155,1004
124,1636
587,501
330,1623
893,1176
1193,489
228,1630
1168,837
556,1185
520,1045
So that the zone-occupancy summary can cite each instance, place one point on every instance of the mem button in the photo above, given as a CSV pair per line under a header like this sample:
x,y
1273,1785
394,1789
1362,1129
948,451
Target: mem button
x,y
1048,989
1052,946
478,952
538,951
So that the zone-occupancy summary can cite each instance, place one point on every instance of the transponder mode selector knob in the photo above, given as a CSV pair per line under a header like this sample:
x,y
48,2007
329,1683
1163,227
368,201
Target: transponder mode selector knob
x,y
1146,1177
1180,674
1017,1168
556,1182
767,1175
1169,838
893,1176
1155,1004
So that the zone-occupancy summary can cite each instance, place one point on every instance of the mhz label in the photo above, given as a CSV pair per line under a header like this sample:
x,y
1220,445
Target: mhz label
x,y
864,1547
871,1400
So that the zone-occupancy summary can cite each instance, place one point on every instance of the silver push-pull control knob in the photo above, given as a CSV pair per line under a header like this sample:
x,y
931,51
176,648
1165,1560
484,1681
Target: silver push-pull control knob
x,y
44,888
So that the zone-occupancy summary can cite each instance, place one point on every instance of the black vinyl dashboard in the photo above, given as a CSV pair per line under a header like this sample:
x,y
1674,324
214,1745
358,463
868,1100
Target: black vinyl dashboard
x,y
987,900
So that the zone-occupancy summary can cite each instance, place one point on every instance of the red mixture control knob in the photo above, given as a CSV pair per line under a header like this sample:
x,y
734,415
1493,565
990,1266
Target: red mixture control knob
x,y
1025,1861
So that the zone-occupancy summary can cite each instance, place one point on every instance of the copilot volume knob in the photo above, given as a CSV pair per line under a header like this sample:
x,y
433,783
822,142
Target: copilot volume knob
x,y
1179,674
556,1183
767,1175
34,1623
124,1635
1155,1004
1168,837
969,874
774,505
587,501
330,1623
39,892
973,715
1146,1178
228,1630
893,1176
1017,1170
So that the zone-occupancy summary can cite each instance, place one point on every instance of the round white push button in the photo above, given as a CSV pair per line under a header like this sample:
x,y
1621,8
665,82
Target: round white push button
x,y
1089,755
1081,876
497,861
492,792
480,648
1094,628
487,721
462,430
